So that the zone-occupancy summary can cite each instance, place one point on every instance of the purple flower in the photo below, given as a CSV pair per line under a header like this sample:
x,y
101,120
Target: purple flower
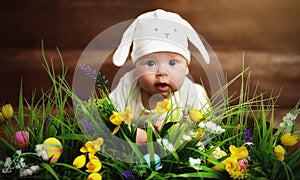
x,y
86,125
47,121
248,136
101,82
92,73
128,175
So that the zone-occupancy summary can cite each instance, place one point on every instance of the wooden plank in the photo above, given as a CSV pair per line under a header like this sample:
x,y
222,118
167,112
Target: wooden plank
x,y
272,71
226,25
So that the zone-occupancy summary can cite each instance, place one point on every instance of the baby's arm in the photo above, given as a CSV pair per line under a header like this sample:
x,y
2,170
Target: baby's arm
x,y
158,125
141,136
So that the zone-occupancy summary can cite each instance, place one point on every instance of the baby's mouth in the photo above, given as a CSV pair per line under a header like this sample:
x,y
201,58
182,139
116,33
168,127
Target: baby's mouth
x,y
162,86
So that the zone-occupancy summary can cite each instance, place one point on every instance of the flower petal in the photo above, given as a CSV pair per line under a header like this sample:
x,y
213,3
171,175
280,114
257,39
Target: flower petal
x,y
116,130
238,153
115,118
195,115
162,106
94,176
94,165
288,139
1,117
126,116
280,152
79,161
7,111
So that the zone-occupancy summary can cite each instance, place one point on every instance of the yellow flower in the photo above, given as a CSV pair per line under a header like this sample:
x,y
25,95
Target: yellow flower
x,y
94,176
162,106
126,116
115,118
99,141
238,153
195,115
280,151
200,134
218,153
94,165
288,139
7,111
118,117
1,117
98,101
79,161
116,130
92,146
239,174
231,165
218,168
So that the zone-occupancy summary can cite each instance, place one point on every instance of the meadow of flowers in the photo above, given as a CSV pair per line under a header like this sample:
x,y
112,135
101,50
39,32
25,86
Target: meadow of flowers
x,y
60,136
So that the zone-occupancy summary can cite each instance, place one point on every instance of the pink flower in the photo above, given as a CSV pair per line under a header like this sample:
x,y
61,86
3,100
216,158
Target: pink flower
x,y
243,164
22,138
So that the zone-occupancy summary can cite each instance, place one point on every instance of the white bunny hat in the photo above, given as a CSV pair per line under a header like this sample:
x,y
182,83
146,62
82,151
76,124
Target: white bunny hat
x,y
158,31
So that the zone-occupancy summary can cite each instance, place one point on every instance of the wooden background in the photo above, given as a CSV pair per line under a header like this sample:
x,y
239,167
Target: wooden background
x,y
267,31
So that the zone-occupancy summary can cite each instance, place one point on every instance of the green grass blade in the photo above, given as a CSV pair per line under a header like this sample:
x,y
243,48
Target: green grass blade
x,y
50,170
135,149
20,119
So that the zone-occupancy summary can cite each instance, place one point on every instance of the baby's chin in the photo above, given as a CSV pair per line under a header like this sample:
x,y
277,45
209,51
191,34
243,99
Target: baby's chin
x,y
165,94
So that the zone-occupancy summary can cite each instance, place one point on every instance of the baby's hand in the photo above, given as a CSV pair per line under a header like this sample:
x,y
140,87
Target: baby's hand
x,y
141,136
158,125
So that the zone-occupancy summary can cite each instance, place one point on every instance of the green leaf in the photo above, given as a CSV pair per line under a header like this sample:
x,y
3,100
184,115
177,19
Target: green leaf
x,y
69,167
49,169
5,145
20,119
165,128
293,158
150,146
79,137
134,148
155,175
201,175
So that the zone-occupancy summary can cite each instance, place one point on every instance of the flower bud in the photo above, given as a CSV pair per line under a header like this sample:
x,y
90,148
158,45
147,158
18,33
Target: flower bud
x,y
79,161
94,176
22,138
1,117
288,139
280,151
7,111
196,115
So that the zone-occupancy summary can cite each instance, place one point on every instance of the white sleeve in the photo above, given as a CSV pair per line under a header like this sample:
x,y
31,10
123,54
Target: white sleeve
x,y
203,100
194,95
121,93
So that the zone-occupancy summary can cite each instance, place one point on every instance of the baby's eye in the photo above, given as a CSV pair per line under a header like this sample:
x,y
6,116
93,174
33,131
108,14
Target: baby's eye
x,y
151,63
172,62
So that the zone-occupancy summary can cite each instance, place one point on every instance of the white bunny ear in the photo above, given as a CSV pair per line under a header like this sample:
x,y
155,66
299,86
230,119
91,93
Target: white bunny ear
x,y
122,51
196,41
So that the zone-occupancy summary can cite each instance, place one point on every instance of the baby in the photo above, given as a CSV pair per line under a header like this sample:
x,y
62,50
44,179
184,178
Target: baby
x,y
160,54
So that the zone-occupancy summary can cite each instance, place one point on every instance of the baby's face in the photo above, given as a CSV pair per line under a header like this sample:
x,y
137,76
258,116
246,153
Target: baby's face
x,y
161,73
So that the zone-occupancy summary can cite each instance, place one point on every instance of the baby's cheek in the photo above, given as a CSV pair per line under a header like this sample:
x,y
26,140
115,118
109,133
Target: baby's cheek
x,y
177,79
147,79
147,83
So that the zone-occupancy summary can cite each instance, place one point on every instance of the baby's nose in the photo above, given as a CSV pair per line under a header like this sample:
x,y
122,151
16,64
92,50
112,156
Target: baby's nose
x,y
162,70
167,35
